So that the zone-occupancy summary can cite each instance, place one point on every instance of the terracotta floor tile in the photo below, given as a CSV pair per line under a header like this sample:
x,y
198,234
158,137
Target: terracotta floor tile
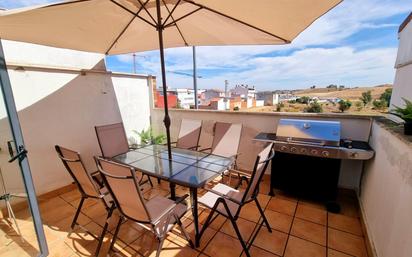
x,y
345,223
284,195
301,248
256,251
218,246
246,228
346,242
273,242
333,253
250,212
282,205
146,244
206,237
216,224
279,221
309,213
310,231
60,249
313,204
130,231
263,200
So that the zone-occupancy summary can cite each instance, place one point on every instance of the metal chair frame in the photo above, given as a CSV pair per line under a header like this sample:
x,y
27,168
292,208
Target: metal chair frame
x,y
222,200
163,220
110,207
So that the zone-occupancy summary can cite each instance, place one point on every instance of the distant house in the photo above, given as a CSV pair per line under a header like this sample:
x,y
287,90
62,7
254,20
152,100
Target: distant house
x,y
210,94
246,93
269,98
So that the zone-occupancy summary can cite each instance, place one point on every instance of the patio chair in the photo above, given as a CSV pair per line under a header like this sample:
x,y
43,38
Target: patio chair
x,y
113,141
87,186
189,134
226,141
157,215
228,202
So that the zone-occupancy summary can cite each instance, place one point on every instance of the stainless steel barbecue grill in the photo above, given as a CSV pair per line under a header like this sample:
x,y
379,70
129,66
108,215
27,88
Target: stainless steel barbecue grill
x,y
316,138
308,158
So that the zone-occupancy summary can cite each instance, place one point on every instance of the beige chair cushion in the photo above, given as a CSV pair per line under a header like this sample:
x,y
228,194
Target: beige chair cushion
x,y
209,199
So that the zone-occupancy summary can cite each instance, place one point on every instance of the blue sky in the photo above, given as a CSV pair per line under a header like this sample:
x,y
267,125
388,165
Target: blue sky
x,y
355,44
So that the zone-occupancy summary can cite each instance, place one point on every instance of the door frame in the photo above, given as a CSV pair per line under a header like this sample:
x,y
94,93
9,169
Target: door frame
x,y
23,161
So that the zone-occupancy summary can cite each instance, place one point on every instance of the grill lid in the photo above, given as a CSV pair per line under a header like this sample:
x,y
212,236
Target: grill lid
x,y
309,131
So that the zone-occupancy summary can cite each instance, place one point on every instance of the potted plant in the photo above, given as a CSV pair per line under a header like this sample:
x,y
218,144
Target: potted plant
x,y
405,114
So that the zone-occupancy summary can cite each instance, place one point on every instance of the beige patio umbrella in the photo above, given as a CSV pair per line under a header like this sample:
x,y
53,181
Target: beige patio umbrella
x,y
125,26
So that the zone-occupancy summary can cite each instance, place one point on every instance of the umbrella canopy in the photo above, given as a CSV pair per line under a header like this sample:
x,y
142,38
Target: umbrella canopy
x,y
125,26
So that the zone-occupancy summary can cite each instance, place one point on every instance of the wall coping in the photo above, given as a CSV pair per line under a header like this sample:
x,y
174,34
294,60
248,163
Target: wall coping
x,y
287,114
395,129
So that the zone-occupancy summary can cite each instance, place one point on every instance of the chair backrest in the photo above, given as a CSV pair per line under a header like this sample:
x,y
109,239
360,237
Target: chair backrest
x,y
261,163
189,134
123,185
226,139
112,139
74,165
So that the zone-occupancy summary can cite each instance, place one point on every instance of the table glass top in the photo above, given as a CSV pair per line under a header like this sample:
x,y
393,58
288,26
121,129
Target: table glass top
x,y
189,168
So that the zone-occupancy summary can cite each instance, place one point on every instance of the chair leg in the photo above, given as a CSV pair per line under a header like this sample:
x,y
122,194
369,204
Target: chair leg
x,y
159,246
106,224
150,181
207,223
245,248
263,215
185,233
116,232
77,212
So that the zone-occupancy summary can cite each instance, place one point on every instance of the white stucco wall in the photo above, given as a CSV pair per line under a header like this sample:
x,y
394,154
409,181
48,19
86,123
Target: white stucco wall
x,y
386,196
402,86
133,98
58,104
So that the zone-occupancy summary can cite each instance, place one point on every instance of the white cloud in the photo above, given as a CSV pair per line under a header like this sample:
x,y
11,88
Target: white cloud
x,y
313,66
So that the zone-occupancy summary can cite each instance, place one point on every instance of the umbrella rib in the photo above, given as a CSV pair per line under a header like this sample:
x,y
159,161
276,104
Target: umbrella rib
x,y
177,27
148,13
126,9
125,28
237,20
170,13
180,18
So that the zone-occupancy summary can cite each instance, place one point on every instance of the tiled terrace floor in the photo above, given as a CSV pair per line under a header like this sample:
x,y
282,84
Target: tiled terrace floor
x,y
300,229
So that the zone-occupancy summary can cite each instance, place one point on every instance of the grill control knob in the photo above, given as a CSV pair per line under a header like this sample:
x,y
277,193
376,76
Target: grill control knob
x,y
303,150
293,149
325,153
354,155
283,148
314,152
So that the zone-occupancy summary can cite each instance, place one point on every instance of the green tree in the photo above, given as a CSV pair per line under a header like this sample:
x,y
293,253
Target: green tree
x,y
344,105
366,97
303,100
379,104
314,107
386,96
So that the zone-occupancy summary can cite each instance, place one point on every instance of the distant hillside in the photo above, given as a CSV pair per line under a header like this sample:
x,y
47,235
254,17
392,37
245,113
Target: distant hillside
x,y
347,93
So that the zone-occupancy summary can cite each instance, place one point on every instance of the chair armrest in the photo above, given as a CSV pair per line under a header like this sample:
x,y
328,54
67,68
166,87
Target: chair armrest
x,y
226,197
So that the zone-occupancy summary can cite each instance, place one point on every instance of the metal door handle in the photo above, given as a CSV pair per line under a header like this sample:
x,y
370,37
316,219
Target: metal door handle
x,y
21,154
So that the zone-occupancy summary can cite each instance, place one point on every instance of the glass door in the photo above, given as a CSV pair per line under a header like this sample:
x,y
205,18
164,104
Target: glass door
x,y
21,230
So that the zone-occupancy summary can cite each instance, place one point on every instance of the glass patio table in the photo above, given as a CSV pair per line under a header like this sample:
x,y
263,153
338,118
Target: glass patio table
x,y
186,168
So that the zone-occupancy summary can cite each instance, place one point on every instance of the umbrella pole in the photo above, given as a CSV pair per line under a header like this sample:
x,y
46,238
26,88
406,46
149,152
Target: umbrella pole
x,y
166,119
